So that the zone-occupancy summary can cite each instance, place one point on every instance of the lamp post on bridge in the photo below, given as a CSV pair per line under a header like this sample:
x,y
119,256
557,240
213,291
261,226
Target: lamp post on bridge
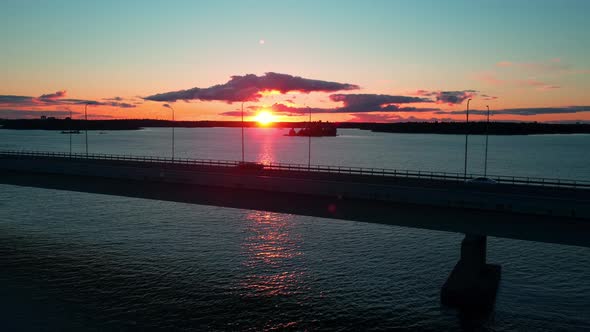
x,y
242,132
86,127
485,167
466,137
173,124
70,132
309,140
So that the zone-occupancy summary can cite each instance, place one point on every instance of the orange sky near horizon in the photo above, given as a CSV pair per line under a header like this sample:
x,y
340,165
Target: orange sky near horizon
x,y
212,110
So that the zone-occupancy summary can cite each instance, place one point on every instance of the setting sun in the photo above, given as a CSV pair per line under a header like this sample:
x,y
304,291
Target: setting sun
x,y
264,118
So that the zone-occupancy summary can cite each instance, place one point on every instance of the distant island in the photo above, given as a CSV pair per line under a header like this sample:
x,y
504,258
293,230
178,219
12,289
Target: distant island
x,y
327,129
474,128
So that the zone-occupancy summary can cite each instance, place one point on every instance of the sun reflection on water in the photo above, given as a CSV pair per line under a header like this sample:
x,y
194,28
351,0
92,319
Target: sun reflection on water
x,y
265,139
273,258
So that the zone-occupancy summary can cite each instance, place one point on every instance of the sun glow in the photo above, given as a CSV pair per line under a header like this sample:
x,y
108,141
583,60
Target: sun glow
x,y
267,93
264,118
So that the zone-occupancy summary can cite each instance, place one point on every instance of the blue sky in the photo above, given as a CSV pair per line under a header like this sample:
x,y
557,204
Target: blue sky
x,y
130,48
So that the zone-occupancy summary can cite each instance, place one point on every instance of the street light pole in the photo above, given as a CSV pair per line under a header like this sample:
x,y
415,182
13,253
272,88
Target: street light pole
x,y
70,132
173,124
466,137
309,140
485,167
242,132
86,126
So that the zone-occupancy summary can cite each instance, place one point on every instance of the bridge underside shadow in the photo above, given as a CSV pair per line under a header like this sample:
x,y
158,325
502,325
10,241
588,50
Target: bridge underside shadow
x,y
559,230
472,283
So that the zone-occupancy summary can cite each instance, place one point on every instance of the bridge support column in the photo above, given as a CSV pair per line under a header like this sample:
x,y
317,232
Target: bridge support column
x,y
472,284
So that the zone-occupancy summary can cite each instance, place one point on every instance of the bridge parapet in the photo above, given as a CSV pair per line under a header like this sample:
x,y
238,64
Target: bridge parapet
x,y
330,169
558,198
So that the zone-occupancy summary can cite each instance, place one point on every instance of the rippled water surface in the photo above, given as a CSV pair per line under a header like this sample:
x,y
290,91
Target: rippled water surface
x,y
85,261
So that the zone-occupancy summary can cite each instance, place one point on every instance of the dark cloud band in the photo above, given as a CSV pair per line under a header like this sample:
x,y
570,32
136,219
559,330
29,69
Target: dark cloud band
x,y
449,97
250,87
57,99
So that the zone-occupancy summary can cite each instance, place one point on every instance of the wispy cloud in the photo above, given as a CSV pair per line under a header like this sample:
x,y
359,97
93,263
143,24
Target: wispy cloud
x,y
449,97
536,83
351,104
55,99
53,96
552,65
247,113
250,87
372,117
488,97
32,114
507,73
389,118
525,111
360,103
492,79
114,99
15,100
489,78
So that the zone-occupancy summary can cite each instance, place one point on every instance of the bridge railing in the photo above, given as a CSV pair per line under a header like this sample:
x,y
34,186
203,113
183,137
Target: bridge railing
x,y
447,176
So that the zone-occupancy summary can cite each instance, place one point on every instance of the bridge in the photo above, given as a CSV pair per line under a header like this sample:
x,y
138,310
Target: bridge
x,y
534,209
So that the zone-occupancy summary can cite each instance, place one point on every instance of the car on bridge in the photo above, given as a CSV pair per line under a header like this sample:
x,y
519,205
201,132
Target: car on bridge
x,y
250,165
482,180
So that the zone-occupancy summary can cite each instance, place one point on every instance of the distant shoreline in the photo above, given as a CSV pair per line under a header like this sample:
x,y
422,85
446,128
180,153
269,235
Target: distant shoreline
x,y
447,128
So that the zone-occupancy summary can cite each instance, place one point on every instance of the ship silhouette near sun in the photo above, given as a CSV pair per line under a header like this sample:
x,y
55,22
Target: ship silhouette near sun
x,y
315,129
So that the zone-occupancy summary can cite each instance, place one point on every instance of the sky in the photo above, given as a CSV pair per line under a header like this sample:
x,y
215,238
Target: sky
x,y
382,61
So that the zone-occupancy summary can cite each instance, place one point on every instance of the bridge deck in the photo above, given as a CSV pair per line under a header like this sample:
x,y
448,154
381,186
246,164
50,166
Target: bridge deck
x,y
533,212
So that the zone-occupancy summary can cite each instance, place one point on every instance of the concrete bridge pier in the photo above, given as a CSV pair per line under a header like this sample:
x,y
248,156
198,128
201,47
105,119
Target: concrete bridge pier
x,y
472,285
